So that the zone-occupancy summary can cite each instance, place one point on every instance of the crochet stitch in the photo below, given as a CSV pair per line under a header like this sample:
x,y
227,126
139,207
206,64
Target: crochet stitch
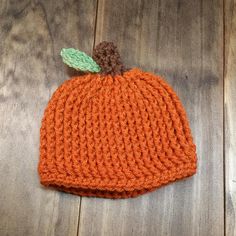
x,y
115,136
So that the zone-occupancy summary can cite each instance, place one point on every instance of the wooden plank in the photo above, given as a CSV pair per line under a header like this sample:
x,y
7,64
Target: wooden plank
x,y
181,40
31,36
230,114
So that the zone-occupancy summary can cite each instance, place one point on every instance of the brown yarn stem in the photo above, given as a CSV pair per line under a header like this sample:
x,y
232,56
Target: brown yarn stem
x,y
108,58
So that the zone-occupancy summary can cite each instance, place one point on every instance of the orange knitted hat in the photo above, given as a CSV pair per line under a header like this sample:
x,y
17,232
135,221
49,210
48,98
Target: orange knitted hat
x,y
113,132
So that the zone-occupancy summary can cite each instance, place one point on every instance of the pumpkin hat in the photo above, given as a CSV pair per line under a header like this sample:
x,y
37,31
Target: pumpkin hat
x,y
113,132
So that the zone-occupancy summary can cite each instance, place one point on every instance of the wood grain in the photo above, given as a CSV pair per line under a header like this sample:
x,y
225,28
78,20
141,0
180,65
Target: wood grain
x,y
230,114
183,41
31,36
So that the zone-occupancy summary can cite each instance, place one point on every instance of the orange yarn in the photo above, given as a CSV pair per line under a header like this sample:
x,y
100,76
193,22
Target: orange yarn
x,y
115,136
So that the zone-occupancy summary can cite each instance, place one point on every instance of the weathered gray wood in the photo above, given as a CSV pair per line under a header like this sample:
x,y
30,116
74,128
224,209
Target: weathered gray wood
x,y
230,114
31,36
182,40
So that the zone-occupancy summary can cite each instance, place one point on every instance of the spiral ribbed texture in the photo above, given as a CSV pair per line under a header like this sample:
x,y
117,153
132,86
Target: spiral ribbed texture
x,y
115,137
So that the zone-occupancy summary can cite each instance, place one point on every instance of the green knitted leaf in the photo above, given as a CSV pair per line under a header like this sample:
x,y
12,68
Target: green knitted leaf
x,y
79,60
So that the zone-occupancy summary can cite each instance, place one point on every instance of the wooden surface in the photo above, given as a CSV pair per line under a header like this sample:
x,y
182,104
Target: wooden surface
x,y
230,116
192,43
